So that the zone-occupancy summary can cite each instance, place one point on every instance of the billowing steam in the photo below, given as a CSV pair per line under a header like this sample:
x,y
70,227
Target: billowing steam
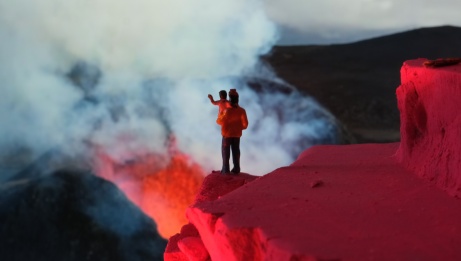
x,y
124,76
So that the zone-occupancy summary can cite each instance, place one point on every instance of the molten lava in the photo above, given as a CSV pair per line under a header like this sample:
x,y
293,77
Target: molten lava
x,y
170,191
162,187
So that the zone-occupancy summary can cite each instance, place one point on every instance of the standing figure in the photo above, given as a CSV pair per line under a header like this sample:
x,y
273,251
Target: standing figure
x,y
233,121
223,103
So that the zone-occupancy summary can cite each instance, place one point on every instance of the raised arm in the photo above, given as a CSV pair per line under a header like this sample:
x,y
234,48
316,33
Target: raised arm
x,y
212,100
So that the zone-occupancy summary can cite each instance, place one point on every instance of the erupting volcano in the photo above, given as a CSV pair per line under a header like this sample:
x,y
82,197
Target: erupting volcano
x,y
162,190
120,89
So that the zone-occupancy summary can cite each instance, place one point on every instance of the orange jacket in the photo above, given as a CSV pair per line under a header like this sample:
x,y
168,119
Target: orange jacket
x,y
233,121
223,105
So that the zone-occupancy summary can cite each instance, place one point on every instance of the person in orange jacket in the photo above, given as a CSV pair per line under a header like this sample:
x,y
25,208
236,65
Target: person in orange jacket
x,y
223,103
233,121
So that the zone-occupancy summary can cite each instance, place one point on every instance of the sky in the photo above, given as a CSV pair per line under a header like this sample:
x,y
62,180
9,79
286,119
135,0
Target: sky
x,y
339,21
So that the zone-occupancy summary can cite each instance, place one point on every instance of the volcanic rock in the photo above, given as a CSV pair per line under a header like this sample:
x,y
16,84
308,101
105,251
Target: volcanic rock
x,y
353,202
73,215
429,101
211,189
186,245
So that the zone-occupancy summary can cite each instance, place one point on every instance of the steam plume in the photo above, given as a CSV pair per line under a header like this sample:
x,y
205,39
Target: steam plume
x,y
124,75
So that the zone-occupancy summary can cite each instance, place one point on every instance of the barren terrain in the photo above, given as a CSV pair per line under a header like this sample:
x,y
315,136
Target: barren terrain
x,y
357,81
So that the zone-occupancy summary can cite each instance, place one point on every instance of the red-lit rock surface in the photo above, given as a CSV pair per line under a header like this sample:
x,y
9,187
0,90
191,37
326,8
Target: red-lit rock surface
x,y
354,202
186,245
429,103
179,245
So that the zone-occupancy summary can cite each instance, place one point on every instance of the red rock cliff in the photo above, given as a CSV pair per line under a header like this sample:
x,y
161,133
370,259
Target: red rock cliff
x,y
429,103
354,202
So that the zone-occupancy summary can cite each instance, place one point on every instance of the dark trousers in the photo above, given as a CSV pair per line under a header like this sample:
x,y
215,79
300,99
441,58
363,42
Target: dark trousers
x,y
228,145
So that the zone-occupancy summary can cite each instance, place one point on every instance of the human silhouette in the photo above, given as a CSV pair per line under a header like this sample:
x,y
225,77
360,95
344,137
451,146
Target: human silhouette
x,y
223,103
233,121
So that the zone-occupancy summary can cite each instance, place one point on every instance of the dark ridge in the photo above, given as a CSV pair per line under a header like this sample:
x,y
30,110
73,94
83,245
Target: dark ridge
x,y
357,81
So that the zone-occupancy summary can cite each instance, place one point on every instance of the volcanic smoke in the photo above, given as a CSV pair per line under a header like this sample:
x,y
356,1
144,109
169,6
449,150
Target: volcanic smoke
x,y
124,78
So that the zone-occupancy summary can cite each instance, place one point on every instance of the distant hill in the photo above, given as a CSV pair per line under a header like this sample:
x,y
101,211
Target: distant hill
x,y
357,81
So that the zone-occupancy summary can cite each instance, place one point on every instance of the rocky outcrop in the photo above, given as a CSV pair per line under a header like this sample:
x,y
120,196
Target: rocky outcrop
x,y
187,245
429,101
351,202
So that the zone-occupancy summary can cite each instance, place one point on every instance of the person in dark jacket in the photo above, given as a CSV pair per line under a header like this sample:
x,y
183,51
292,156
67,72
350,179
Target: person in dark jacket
x,y
233,121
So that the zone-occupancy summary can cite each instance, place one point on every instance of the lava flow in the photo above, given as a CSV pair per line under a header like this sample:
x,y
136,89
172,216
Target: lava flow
x,y
163,187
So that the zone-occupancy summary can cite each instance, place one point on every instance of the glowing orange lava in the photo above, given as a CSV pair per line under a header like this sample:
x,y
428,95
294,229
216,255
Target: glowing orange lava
x,y
163,193
169,192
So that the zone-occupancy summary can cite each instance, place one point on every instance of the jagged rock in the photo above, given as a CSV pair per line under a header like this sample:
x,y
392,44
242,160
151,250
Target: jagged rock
x,y
187,244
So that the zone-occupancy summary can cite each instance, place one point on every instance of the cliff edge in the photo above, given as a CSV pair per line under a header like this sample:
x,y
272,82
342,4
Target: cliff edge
x,y
348,202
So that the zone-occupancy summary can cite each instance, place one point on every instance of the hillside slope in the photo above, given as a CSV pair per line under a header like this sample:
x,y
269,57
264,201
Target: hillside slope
x,y
357,81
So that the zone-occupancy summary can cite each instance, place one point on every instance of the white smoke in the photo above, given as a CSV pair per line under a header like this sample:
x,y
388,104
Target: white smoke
x,y
123,75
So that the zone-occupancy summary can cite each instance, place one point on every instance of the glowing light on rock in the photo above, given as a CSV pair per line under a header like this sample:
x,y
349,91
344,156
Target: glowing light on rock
x,y
163,187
